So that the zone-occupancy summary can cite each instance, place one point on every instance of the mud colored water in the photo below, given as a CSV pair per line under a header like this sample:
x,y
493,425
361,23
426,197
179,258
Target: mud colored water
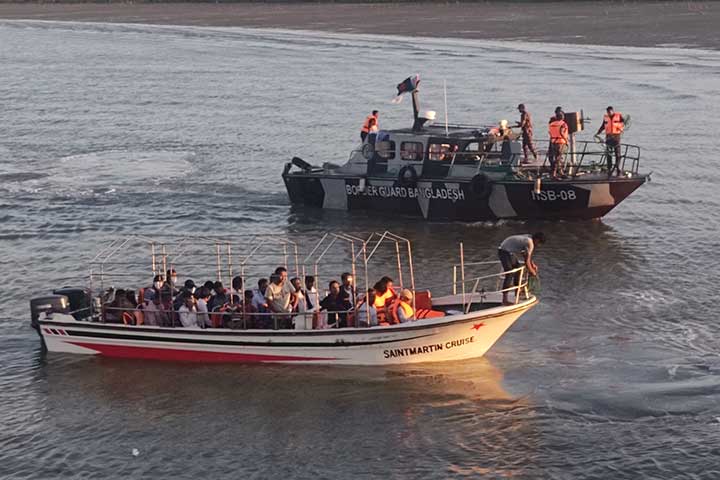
x,y
109,130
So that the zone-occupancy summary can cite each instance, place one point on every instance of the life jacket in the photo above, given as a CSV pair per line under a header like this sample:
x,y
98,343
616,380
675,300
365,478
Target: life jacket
x,y
366,125
558,132
397,304
614,124
382,299
217,315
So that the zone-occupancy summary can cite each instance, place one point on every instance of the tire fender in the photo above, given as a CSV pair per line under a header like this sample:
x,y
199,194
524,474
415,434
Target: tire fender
x,y
481,186
407,176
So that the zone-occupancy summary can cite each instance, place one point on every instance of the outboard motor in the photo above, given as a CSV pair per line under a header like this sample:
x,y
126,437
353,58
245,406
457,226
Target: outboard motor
x,y
301,164
80,301
47,304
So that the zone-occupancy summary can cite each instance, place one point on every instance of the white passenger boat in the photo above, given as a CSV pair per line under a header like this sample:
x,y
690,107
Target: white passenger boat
x,y
463,324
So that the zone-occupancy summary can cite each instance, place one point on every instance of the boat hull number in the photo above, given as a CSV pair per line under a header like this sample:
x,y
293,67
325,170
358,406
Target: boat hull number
x,y
553,195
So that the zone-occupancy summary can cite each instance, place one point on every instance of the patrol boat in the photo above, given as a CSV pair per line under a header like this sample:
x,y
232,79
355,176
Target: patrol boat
x,y
464,323
465,173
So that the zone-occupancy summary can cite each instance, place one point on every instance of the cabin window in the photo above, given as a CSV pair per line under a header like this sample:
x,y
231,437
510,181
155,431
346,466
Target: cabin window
x,y
440,152
411,151
472,152
386,149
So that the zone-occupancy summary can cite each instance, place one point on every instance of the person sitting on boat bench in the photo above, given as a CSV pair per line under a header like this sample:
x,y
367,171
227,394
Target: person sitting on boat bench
x,y
508,253
401,310
279,297
220,298
334,305
202,297
188,313
153,310
171,281
384,295
365,311
347,289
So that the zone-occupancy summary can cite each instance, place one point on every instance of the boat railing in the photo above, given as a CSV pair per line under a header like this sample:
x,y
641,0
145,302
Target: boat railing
x,y
245,256
234,315
592,157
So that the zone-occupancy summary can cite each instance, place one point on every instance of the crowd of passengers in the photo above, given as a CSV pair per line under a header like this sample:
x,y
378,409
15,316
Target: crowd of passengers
x,y
276,303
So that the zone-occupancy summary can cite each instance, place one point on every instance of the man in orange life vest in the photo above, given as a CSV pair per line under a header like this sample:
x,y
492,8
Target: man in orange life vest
x,y
613,124
366,125
558,143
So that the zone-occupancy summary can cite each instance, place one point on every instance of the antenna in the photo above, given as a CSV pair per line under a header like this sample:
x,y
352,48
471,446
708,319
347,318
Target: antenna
x,y
446,111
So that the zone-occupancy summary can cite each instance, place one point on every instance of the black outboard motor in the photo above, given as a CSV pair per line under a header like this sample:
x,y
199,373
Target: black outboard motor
x,y
80,301
48,303
301,164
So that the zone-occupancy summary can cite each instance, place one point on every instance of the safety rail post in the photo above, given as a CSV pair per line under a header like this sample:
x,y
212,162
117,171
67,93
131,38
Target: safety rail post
x,y
454,284
219,268
399,264
462,271
230,273
466,309
519,285
164,260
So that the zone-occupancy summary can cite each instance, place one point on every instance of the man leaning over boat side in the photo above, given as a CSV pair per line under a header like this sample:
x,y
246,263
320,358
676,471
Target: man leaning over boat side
x,y
509,252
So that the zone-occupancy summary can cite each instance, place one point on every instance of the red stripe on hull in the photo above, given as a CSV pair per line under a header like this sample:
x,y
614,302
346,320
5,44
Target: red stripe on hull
x,y
176,355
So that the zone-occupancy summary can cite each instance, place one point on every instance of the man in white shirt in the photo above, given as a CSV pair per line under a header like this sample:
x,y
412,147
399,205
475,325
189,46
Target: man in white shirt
x,y
188,313
258,300
279,298
509,252
203,319
303,319
366,313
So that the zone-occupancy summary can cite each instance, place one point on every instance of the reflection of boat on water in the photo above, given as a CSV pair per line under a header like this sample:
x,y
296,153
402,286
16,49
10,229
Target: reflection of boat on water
x,y
465,173
462,324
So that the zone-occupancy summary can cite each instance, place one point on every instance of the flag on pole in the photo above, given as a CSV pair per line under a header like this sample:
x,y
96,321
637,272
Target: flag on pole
x,y
406,86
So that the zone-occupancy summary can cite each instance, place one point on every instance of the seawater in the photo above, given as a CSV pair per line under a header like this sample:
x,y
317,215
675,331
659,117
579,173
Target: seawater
x,y
107,130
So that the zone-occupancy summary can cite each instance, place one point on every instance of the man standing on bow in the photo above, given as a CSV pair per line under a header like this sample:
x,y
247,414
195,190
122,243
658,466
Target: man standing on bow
x,y
614,125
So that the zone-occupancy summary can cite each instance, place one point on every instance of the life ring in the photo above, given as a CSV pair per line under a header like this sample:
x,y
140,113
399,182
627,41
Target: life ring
x,y
407,176
481,186
368,151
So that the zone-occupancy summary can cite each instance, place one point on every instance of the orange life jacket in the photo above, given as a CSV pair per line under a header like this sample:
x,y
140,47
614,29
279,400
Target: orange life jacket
x,y
614,124
366,125
397,304
558,132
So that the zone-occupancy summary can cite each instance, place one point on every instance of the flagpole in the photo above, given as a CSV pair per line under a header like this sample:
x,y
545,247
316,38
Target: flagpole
x,y
446,111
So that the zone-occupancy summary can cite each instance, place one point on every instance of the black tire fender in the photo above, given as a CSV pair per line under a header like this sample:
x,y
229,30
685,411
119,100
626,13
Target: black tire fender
x,y
481,186
407,176
368,151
